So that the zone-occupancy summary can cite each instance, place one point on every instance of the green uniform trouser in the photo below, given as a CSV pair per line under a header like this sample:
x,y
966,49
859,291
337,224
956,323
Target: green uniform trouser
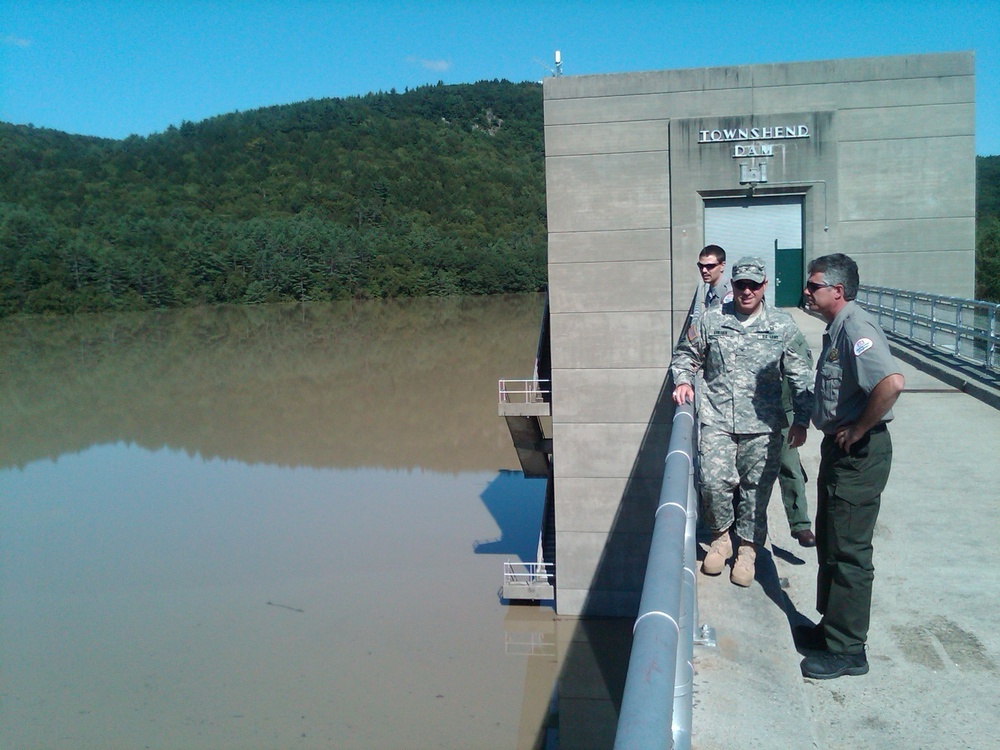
x,y
849,490
792,480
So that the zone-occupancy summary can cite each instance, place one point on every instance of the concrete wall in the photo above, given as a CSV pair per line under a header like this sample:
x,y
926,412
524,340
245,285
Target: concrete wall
x,y
887,175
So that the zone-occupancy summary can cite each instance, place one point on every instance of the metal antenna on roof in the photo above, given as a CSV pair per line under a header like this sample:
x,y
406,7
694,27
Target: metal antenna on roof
x,y
557,70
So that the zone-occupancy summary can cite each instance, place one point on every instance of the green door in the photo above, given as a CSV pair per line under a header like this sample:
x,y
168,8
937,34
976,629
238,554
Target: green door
x,y
788,276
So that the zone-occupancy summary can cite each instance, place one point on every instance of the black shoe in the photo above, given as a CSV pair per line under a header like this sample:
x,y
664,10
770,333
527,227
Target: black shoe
x,y
809,637
827,665
806,538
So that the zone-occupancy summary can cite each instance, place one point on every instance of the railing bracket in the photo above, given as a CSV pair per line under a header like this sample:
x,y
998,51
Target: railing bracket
x,y
705,636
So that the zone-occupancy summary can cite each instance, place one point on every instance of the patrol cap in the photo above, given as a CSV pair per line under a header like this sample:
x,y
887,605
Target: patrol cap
x,y
749,268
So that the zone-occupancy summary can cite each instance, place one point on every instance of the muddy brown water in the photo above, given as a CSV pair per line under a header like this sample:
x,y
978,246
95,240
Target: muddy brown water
x,y
272,527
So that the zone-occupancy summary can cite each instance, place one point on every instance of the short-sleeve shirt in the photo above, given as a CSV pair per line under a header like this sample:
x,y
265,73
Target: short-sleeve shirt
x,y
705,298
855,358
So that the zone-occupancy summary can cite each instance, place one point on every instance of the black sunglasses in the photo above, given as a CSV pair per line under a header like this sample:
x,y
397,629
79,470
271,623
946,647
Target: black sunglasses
x,y
813,287
741,285
707,266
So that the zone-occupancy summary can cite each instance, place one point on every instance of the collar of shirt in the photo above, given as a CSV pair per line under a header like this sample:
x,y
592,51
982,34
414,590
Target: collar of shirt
x,y
837,324
747,320
760,321
718,291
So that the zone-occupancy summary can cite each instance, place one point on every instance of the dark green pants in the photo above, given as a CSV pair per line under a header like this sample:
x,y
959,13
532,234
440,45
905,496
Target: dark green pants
x,y
849,492
792,480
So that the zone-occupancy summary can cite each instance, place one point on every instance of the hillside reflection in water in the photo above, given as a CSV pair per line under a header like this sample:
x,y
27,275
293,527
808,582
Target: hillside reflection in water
x,y
258,528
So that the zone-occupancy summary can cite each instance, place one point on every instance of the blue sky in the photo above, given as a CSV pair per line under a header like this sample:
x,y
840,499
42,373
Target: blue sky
x,y
111,69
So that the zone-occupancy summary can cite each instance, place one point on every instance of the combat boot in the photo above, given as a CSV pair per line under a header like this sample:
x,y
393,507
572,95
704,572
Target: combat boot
x,y
743,568
719,551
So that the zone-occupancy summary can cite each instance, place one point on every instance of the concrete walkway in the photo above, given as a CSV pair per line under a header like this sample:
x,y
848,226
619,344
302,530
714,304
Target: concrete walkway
x,y
934,643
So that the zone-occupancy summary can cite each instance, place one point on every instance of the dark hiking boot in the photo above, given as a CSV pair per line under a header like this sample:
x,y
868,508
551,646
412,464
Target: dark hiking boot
x,y
827,665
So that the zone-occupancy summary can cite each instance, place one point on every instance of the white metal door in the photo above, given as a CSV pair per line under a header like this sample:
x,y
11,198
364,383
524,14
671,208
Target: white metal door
x,y
749,226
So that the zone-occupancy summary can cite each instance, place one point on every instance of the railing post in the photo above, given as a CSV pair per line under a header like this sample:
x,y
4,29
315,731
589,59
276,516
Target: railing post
x,y
933,317
991,345
958,328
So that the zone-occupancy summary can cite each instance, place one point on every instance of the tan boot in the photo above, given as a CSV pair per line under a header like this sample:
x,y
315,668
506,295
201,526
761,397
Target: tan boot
x,y
743,568
719,551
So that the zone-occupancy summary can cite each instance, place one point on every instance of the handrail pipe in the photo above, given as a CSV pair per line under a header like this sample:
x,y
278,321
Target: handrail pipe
x,y
656,703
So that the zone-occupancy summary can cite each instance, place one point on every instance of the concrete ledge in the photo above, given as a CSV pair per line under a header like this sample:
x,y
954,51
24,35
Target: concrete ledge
x,y
524,409
748,691
964,377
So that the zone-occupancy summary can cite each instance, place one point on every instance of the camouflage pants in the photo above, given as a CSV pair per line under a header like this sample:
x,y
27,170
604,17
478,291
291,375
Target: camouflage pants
x,y
743,467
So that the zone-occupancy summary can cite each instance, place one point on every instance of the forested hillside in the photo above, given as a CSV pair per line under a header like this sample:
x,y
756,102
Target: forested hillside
x,y
434,191
988,228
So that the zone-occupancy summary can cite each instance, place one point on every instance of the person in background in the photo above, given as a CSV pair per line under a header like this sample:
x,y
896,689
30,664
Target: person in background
x,y
713,289
792,482
857,384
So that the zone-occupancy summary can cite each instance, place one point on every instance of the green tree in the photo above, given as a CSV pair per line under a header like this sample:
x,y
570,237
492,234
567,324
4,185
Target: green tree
x,y
988,259
379,195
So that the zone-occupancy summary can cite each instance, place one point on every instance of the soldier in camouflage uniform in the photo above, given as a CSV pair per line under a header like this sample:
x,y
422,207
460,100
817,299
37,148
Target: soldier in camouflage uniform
x,y
744,349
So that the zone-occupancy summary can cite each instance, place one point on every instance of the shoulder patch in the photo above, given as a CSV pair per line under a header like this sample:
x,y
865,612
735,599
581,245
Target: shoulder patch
x,y
862,345
727,298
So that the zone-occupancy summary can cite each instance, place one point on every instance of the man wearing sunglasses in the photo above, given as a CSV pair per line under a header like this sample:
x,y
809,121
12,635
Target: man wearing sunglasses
x,y
744,349
857,383
713,289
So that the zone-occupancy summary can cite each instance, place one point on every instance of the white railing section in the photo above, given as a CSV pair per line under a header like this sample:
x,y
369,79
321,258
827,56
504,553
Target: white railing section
x,y
527,573
525,391
528,644
964,328
528,581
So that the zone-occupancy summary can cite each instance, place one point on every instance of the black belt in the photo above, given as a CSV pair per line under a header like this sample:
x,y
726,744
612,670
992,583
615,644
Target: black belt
x,y
880,427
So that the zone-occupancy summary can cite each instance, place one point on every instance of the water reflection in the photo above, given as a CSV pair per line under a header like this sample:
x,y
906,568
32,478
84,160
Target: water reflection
x,y
392,384
516,504
275,527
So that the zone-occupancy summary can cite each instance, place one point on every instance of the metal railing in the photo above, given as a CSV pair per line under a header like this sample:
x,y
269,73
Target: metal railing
x,y
528,644
528,397
528,580
963,328
524,391
657,702
526,573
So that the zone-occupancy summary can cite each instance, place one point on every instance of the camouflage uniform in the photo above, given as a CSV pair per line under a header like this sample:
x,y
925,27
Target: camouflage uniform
x,y
740,411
